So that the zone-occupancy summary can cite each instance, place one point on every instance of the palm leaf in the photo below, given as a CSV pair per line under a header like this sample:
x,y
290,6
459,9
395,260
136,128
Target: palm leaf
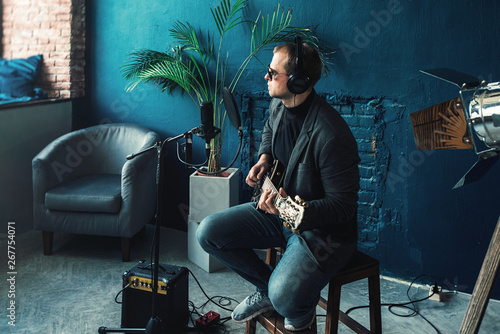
x,y
225,15
139,60
191,40
167,71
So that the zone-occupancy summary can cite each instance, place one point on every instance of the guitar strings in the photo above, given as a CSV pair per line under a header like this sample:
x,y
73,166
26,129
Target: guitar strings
x,y
269,185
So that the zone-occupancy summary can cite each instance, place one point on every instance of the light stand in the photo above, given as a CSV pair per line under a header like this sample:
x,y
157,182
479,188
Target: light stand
x,y
482,118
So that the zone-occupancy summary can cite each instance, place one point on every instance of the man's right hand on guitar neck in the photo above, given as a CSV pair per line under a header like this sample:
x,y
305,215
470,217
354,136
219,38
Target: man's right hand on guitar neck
x,y
258,171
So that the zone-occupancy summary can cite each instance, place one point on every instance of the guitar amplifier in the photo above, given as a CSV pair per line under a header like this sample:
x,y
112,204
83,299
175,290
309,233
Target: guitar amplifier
x,y
171,298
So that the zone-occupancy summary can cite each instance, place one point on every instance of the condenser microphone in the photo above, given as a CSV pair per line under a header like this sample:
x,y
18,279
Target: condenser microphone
x,y
207,124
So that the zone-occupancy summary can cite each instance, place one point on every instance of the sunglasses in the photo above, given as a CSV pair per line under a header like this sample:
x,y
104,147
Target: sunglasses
x,y
272,73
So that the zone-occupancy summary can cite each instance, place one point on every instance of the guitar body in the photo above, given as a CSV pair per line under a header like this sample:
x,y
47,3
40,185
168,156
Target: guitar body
x,y
277,174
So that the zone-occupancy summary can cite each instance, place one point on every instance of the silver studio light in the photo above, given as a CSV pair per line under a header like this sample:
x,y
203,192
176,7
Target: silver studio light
x,y
482,116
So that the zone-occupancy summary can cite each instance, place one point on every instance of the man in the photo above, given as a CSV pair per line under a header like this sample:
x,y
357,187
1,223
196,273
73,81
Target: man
x,y
319,152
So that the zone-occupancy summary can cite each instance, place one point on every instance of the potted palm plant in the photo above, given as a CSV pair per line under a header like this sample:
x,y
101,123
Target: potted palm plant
x,y
196,64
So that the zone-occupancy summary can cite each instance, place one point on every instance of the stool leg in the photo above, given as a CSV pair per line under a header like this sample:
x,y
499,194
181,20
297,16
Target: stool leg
x,y
250,326
333,308
375,308
314,326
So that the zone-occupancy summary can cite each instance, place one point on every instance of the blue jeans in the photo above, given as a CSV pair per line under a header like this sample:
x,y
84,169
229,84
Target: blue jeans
x,y
294,286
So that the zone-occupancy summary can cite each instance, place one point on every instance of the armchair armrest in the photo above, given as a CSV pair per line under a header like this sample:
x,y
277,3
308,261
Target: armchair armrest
x,y
139,188
52,166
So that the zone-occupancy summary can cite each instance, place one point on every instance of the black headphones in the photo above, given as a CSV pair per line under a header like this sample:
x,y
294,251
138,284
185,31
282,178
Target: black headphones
x,y
298,81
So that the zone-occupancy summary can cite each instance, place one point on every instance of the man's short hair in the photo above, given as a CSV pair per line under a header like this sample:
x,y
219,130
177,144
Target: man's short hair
x,y
312,61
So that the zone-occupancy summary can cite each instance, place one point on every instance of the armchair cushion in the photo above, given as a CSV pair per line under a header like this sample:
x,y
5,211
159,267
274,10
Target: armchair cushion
x,y
90,193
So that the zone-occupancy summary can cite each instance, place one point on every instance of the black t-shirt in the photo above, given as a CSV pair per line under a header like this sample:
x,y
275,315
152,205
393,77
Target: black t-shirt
x,y
289,129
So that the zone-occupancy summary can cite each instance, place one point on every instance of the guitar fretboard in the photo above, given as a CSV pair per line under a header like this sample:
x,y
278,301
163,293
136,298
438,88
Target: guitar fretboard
x,y
268,184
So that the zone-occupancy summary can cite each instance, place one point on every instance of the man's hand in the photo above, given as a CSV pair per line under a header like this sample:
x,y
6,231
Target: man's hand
x,y
258,171
266,201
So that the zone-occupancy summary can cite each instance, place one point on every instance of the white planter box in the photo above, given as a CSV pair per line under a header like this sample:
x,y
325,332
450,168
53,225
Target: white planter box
x,y
207,195
197,255
210,194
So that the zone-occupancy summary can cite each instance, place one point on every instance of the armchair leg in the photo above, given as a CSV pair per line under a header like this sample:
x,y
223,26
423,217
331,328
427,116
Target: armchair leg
x,y
47,241
125,249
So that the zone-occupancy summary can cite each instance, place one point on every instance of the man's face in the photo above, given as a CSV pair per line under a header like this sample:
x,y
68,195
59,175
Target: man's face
x,y
277,84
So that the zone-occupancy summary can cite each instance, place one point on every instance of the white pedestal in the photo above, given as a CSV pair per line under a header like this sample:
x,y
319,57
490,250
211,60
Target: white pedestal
x,y
207,195
197,255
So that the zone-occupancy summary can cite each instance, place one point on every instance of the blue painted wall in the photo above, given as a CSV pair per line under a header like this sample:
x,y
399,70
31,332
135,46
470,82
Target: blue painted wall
x,y
424,226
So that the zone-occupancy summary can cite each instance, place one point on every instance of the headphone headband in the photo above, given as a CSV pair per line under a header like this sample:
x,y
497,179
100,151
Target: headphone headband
x,y
299,54
298,82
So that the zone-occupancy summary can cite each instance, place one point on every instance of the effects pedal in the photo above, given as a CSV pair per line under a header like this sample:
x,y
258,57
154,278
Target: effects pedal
x,y
208,319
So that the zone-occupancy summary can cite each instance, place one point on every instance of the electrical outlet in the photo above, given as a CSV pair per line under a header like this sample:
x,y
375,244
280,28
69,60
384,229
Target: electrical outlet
x,y
438,293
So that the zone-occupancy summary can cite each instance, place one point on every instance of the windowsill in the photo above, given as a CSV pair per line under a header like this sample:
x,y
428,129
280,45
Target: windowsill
x,y
33,103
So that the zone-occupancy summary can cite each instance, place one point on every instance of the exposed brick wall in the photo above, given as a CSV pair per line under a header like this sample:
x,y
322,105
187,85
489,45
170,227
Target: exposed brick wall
x,y
54,28
365,117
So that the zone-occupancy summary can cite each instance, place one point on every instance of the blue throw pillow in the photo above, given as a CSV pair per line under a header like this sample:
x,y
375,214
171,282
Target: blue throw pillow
x,y
19,76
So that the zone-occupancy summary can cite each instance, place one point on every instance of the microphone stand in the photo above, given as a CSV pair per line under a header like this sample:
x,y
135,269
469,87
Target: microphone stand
x,y
154,325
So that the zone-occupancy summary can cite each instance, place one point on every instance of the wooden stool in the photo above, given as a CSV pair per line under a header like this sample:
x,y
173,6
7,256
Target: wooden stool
x,y
361,266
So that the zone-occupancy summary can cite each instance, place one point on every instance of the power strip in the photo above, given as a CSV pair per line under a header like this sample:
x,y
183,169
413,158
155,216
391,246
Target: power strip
x,y
438,293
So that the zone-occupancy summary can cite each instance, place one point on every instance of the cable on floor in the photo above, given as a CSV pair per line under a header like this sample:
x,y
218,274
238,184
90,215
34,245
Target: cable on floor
x,y
411,302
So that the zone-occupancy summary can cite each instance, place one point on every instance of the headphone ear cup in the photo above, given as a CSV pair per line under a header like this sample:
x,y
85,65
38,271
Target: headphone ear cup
x,y
297,83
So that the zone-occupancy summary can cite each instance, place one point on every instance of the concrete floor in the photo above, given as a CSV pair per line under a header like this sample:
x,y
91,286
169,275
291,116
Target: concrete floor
x,y
433,316
74,289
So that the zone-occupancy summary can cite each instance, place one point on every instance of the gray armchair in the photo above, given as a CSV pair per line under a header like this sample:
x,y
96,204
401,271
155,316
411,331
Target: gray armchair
x,y
83,184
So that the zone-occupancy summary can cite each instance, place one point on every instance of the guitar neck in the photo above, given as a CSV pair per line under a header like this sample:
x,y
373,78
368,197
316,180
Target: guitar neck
x,y
268,184
291,212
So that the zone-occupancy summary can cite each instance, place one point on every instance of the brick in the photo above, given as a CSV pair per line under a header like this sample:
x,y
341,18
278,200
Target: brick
x,y
59,25
63,17
40,48
61,62
60,55
63,78
367,158
59,70
366,209
366,146
366,171
65,94
368,184
63,47
47,33
367,197
364,133
61,85
65,32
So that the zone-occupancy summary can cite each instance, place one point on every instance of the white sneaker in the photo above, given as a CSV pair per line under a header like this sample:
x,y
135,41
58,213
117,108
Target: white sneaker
x,y
252,306
300,327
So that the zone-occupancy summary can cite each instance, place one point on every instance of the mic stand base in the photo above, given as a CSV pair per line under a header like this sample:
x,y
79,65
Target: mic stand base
x,y
153,327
